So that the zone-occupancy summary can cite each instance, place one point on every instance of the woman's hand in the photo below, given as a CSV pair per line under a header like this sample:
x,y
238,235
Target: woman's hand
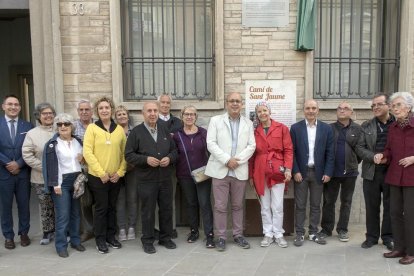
x,y
104,178
407,161
114,178
251,182
58,190
80,159
377,158
288,176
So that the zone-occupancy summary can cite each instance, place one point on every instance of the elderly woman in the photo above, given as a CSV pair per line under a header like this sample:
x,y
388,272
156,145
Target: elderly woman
x,y
399,153
192,154
103,150
270,169
32,152
62,157
128,195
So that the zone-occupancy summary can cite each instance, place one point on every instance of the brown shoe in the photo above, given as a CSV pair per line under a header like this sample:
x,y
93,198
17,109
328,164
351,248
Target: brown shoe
x,y
24,240
9,244
407,260
394,254
86,236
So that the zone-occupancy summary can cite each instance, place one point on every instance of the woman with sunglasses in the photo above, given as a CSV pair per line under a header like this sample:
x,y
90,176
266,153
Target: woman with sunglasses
x,y
62,159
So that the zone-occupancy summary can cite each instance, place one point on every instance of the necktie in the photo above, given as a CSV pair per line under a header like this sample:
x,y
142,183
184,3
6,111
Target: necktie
x,y
12,130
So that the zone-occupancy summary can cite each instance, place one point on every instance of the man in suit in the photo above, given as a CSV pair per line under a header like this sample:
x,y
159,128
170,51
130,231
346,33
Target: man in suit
x,y
372,141
151,149
14,173
230,140
313,165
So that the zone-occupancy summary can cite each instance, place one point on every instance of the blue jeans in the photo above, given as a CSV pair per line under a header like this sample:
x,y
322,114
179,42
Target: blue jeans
x,y
67,212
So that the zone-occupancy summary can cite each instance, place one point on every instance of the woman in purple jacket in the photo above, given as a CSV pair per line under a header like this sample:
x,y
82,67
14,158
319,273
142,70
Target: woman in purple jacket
x,y
191,141
399,153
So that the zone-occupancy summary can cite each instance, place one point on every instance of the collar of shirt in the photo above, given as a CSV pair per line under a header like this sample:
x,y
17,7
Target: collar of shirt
x,y
309,125
150,129
8,119
165,117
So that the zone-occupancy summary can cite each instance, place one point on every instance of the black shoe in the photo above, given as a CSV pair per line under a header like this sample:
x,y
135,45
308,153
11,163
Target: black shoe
x,y
368,244
174,234
221,244
114,243
193,236
78,247
169,244
102,247
63,254
210,241
149,248
389,244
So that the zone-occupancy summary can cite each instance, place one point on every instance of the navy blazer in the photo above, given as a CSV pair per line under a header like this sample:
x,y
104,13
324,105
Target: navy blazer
x,y
13,152
324,149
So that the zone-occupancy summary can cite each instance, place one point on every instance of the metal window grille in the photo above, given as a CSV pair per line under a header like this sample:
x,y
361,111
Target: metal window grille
x,y
357,48
168,48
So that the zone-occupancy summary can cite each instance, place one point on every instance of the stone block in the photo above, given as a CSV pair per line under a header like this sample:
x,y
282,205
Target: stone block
x,y
95,87
244,60
293,55
106,66
255,40
70,79
254,76
274,55
81,67
279,44
275,76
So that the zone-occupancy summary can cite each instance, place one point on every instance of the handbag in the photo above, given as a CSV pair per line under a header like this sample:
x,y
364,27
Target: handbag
x,y
79,184
274,167
198,175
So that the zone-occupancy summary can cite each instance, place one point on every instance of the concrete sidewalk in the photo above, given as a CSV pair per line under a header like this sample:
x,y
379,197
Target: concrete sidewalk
x,y
335,258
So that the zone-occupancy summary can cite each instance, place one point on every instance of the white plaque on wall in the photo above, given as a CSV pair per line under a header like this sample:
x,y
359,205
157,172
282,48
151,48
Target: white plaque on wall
x,y
280,94
265,13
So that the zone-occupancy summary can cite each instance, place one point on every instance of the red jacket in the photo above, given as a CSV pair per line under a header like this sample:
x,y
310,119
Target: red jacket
x,y
278,143
400,144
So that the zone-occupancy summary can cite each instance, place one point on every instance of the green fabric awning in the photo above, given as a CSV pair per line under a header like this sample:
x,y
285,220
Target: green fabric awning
x,y
305,29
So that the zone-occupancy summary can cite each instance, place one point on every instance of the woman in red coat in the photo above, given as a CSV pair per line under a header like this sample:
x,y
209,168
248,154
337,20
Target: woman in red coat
x,y
399,153
270,169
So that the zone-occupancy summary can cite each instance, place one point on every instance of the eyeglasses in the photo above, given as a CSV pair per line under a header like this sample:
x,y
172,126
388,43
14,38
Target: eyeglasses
x,y
47,113
13,104
189,114
377,105
234,101
397,105
346,109
66,124
84,110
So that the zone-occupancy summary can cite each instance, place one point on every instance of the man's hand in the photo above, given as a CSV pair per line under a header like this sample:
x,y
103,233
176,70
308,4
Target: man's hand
x,y
164,162
326,179
114,178
12,167
377,158
233,163
105,178
298,177
153,162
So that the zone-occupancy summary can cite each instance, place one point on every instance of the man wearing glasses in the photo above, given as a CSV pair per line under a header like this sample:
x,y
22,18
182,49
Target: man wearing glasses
x,y
372,141
230,140
346,133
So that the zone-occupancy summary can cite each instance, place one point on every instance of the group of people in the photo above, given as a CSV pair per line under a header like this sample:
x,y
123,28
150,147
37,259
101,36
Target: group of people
x,y
126,165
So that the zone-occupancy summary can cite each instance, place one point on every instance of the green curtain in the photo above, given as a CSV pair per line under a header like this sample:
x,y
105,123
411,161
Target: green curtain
x,y
306,21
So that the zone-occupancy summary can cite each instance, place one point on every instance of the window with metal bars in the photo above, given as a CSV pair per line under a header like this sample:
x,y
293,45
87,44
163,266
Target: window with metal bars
x,y
168,49
357,48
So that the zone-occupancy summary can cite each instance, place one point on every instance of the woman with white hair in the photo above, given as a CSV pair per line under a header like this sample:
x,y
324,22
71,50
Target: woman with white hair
x,y
32,152
399,154
62,157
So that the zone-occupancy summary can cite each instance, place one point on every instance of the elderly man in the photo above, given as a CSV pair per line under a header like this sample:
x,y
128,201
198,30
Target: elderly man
x,y
372,141
85,118
346,133
230,140
151,149
14,173
313,165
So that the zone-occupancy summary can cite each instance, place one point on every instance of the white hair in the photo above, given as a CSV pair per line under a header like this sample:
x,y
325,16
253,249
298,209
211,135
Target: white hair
x,y
406,96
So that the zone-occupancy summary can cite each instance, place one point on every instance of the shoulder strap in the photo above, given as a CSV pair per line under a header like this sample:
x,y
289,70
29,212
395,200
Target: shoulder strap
x,y
185,152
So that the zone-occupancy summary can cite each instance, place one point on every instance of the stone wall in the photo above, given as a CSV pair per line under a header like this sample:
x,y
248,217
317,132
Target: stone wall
x,y
86,51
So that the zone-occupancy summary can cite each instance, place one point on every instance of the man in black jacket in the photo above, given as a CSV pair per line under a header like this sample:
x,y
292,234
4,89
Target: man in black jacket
x,y
346,133
151,149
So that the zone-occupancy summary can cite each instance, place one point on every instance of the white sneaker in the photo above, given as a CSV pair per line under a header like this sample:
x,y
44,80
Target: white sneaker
x,y
266,241
281,242
131,233
122,235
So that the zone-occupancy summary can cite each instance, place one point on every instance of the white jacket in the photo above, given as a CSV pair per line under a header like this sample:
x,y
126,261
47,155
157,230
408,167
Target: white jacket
x,y
219,144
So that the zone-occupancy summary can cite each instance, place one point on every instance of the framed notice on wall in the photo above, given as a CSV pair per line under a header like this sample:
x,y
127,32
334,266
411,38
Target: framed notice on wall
x,y
280,94
265,13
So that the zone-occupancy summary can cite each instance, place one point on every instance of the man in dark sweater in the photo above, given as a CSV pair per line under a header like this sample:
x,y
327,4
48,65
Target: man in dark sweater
x,y
151,149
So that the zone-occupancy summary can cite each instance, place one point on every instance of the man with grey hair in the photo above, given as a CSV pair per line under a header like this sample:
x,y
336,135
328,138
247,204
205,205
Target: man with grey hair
x,y
345,133
85,118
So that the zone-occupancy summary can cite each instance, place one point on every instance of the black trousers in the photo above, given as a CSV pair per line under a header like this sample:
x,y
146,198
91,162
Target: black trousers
x,y
197,196
402,218
150,193
105,196
330,195
372,195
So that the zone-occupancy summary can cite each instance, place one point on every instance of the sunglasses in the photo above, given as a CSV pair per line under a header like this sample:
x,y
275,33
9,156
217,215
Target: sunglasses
x,y
66,124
